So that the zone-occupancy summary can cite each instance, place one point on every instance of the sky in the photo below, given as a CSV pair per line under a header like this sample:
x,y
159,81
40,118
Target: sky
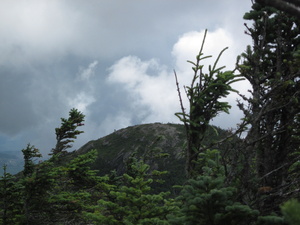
x,y
112,60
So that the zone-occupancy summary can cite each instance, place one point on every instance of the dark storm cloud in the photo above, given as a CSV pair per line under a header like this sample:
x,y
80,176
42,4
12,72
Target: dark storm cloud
x,y
15,106
55,55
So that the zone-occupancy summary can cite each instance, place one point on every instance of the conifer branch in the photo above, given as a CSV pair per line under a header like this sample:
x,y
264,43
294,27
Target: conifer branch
x,y
291,7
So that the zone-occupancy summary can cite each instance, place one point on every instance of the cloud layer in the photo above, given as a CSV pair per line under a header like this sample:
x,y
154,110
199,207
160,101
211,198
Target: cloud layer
x,y
113,61
151,85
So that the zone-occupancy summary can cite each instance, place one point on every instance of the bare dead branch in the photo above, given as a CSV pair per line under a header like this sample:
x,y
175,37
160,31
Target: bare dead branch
x,y
181,103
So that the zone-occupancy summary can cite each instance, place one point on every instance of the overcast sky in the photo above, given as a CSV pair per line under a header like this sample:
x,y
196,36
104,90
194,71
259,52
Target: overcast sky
x,y
113,60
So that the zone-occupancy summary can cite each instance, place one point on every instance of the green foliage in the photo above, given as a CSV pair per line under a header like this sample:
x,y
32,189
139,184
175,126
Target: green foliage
x,y
10,195
146,141
206,90
65,190
209,162
204,96
79,170
68,131
75,189
272,141
35,193
23,199
50,193
29,153
270,220
291,212
131,202
205,200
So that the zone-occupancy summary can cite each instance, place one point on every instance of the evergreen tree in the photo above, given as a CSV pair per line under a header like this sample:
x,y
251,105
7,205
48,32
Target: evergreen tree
x,y
76,190
10,195
132,201
51,192
291,212
29,154
272,68
291,7
204,96
36,183
80,173
68,131
206,200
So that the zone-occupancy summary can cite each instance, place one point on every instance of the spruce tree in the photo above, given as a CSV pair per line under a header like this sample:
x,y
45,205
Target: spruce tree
x,y
271,66
291,212
291,7
76,189
30,153
10,195
204,96
36,184
207,200
131,202
67,132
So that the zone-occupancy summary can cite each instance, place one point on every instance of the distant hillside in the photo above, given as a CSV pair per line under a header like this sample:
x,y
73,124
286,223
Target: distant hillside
x,y
144,140
114,149
13,161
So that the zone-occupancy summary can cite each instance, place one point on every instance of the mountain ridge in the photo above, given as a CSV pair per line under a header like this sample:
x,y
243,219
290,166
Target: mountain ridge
x,y
153,138
146,141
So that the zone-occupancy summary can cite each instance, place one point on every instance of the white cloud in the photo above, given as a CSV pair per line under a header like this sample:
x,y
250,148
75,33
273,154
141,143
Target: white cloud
x,y
130,71
86,74
85,88
33,30
153,87
108,124
188,46
81,101
49,30
42,44
149,84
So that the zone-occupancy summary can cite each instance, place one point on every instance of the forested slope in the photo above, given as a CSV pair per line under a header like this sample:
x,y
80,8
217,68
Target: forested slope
x,y
128,176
